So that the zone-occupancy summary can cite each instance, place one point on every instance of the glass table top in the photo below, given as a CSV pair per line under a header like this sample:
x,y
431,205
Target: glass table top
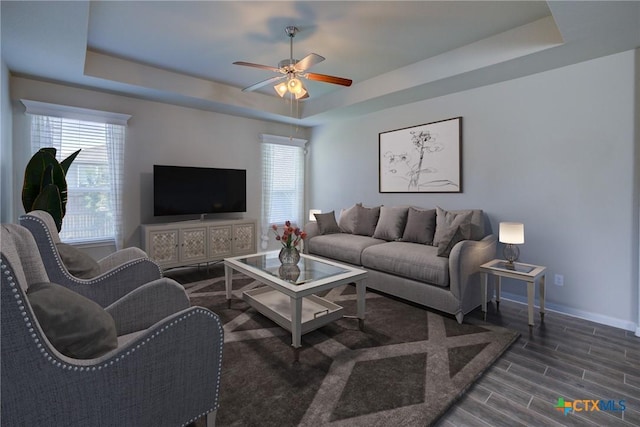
x,y
307,270
516,267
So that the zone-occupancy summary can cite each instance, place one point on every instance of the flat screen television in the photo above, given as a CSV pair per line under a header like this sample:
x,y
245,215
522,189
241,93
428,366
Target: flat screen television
x,y
182,190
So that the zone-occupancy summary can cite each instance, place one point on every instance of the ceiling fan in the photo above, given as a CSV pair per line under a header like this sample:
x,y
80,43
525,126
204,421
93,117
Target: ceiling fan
x,y
291,71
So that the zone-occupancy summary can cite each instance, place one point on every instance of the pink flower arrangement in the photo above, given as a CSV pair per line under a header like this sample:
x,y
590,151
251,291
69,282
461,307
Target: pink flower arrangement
x,y
290,237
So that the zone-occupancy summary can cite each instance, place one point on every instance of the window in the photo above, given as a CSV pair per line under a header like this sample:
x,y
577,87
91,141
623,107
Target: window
x,y
94,180
282,181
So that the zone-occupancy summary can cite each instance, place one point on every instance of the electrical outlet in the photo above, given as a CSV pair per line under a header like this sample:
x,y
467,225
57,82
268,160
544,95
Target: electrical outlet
x,y
558,280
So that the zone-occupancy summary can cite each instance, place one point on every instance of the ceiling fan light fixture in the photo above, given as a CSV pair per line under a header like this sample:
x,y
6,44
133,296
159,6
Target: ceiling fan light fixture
x,y
301,94
290,69
281,89
295,86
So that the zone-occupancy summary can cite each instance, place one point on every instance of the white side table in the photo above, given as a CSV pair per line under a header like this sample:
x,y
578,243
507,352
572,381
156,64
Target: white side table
x,y
528,273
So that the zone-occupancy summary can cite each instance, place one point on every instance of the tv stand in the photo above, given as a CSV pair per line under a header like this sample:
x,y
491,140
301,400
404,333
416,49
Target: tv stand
x,y
178,244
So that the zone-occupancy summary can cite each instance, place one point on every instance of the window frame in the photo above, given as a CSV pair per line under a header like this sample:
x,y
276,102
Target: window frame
x,y
298,218
111,133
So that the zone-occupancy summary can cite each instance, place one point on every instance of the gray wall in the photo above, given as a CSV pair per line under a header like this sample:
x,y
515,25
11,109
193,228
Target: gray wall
x,y
554,150
157,134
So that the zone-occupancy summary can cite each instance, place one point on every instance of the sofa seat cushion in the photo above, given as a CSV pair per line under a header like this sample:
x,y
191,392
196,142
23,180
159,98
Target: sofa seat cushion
x,y
410,260
341,246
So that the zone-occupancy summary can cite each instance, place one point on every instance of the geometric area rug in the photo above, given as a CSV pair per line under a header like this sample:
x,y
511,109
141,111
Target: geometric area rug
x,y
406,368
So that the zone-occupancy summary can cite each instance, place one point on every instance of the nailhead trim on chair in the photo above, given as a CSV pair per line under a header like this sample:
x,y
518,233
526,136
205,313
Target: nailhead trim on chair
x,y
64,269
50,358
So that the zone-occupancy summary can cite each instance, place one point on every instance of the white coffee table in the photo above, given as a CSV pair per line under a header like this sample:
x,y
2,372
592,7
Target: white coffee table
x,y
289,295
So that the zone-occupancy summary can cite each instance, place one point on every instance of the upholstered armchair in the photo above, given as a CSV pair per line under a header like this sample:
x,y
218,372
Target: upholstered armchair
x,y
103,281
163,371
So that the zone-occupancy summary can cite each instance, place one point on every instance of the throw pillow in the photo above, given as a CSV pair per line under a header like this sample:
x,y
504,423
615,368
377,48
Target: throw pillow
x,y
444,219
347,220
455,235
391,223
366,220
421,226
77,262
76,326
327,223
454,228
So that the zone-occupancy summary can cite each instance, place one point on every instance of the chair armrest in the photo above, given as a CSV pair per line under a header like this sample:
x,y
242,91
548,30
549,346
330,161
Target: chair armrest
x,y
112,285
465,260
148,304
311,228
120,257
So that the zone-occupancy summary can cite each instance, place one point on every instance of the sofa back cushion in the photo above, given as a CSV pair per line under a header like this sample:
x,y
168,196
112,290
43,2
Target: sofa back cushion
x,y
420,227
366,220
348,219
391,223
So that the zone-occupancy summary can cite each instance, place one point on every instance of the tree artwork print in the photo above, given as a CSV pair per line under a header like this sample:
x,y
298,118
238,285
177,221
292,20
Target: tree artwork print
x,y
421,159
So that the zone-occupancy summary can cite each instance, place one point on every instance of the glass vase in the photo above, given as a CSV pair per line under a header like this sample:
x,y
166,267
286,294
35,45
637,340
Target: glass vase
x,y
289,256
289,272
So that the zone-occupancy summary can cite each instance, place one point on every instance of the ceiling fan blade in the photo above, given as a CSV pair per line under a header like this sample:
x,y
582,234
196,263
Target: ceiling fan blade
x,y
308,62
263,67
328,79
262,83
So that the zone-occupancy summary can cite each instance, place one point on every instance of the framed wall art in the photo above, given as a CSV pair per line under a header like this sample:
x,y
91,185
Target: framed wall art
x,y
422,159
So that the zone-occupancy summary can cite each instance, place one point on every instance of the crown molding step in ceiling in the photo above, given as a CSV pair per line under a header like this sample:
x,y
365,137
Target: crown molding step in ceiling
x,y
395,53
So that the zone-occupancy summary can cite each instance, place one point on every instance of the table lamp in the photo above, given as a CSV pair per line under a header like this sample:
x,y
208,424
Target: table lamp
x,y
512,234
312,213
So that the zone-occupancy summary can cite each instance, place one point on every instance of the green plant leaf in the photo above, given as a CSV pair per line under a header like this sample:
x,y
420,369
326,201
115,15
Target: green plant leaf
x,y
66,163
49,200
43,171
50,150
33,177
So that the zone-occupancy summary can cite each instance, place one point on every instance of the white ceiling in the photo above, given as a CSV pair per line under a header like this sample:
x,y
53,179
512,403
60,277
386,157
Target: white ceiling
x,y
395,52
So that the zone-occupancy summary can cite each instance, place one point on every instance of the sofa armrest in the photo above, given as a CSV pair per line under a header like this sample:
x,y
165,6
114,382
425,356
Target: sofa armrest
x,y
465,260
148,304
311,228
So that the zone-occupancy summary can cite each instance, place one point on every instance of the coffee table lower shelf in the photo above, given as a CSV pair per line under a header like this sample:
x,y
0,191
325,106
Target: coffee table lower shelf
x,y
316,311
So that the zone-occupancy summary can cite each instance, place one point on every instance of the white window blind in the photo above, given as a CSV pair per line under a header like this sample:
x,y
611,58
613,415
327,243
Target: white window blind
x,y
282,181
94,180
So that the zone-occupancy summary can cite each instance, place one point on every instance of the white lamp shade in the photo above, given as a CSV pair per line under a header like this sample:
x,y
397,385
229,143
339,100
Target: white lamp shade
x,y
281,88
512,233
295,86
300,94
312,213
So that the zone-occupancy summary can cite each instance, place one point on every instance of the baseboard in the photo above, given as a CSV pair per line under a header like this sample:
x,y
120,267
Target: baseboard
x,y
585,315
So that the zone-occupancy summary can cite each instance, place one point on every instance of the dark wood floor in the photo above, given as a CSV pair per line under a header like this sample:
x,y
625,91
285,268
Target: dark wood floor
x,y
563,357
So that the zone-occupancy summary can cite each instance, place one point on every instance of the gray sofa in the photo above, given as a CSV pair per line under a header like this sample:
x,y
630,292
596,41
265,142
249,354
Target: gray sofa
x,y
428,256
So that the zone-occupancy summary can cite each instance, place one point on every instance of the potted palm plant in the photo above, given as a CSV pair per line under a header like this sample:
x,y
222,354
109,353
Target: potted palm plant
x,y
45,184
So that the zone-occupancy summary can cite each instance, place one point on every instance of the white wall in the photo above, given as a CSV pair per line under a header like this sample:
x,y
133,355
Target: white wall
x,y
554,150
6,148
157,134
